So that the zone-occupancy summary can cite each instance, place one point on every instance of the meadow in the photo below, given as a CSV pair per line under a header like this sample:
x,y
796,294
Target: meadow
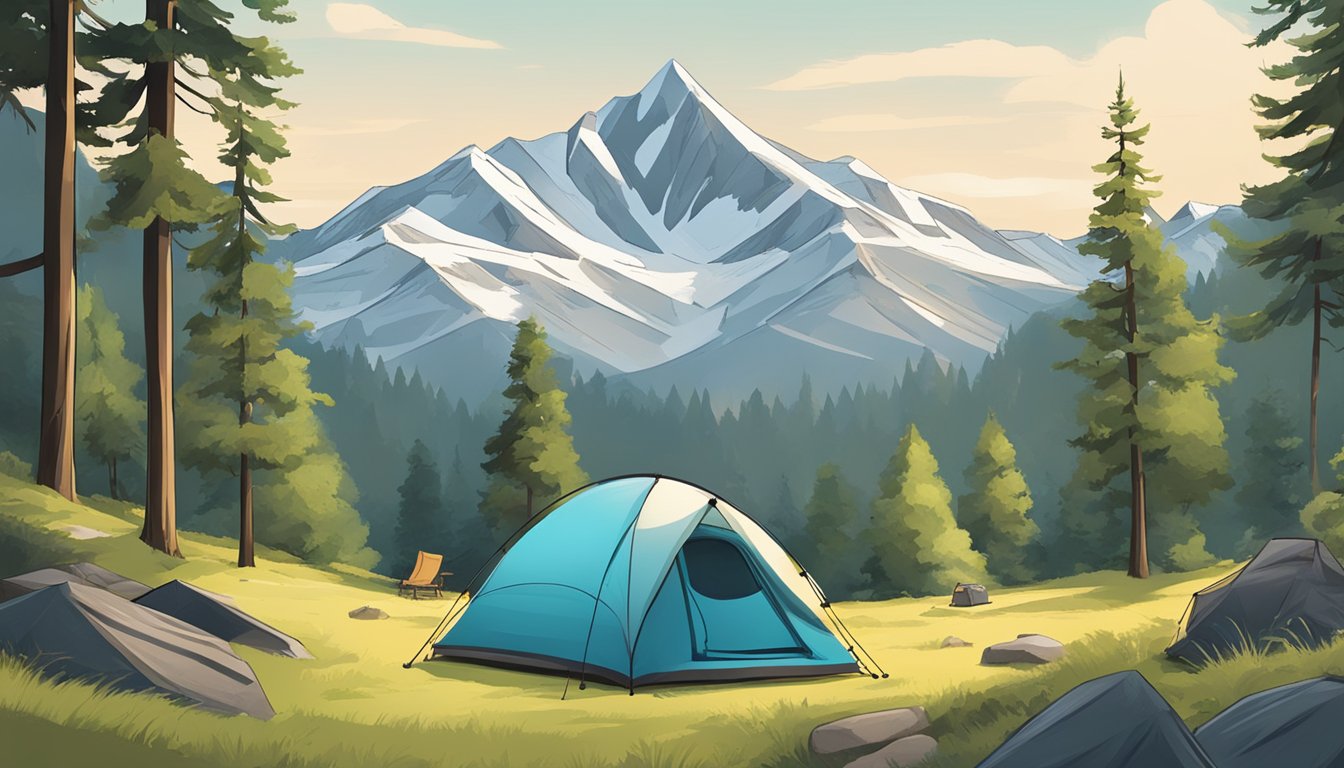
x,y
355,705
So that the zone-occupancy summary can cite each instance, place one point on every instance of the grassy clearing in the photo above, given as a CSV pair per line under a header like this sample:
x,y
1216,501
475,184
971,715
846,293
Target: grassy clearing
x,y
354,705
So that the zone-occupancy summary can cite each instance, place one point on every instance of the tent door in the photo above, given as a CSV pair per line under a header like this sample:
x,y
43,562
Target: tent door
x,y
730,614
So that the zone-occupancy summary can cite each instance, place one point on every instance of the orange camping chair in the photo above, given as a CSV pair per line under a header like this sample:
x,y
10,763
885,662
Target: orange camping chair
x,y
426,575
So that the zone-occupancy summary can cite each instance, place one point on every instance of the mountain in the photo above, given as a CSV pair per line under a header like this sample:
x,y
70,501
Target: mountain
x,y
662,241
1190,230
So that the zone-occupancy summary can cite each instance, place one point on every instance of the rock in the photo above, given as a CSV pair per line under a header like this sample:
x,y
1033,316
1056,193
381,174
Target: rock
x,y
911,750
218,616
84,574
368,613
868,730
1026,649
952,641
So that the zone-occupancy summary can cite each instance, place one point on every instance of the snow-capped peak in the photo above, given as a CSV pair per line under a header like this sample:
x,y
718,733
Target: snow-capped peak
x,y
663,239
1193,211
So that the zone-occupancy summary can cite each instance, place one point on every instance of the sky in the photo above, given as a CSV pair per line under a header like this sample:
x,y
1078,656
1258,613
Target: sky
x,y
993,104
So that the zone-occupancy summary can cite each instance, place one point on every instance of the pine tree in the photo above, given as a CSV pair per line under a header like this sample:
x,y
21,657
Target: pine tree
x,y
531,458
1270,493
917,547
1305,254
995,512
1151,365
156,190
107,409
240,362
830,515
421,517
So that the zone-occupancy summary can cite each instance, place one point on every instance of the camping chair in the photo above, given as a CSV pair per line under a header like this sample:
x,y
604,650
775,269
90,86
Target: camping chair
x,y
426,575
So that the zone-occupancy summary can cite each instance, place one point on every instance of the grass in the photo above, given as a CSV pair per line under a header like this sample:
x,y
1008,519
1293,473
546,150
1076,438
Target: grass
x,y
355,705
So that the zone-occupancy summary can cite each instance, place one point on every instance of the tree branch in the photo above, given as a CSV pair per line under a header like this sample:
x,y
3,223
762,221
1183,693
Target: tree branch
x,y
193,107
19,267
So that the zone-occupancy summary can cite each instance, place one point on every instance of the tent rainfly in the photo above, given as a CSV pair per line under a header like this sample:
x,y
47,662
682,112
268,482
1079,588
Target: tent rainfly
x,y
1291,592
642,580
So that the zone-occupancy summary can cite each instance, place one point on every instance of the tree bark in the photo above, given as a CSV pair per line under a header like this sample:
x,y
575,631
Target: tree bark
x,y
246,548
56,447
112,479
1316,312
1138,490
529,502
160,531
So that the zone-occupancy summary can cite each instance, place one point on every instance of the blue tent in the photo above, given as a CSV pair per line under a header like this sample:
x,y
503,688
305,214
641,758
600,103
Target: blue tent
x,y
640,580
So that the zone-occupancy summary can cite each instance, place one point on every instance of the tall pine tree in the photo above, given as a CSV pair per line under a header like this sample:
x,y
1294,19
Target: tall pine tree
x,y
244,383
109,414
1151,365
1306,255
995,512
531,458
917,547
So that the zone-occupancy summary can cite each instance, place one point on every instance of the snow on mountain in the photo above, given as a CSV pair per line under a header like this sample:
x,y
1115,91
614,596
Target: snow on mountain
x,y
1189,230
662,241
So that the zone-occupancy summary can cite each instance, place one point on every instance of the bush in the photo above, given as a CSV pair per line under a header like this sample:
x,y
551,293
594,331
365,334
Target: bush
x,y
15,467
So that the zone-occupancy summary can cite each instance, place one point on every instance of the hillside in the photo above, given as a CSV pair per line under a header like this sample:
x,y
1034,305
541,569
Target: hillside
x,y
355,705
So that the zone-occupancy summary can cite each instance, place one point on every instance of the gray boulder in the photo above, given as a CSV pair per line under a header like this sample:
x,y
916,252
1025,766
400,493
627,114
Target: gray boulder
x,y
217,615
368,613
868,730
85,574
75,631
1026,649
911,750
952,641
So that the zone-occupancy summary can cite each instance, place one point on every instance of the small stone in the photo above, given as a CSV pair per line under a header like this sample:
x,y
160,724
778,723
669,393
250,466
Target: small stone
x,y
368,613
1026,649
868,730
911,750
952,641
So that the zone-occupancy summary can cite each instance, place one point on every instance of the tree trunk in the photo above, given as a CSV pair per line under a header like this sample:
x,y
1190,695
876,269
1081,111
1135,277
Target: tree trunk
x,y
160,530
112,479
246,548
529,502
1316,312
56,449
1138,490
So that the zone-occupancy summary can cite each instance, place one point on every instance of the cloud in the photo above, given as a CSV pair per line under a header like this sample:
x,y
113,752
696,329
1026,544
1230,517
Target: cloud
x,y
968,58
875,123
974,185
368,23
1190,72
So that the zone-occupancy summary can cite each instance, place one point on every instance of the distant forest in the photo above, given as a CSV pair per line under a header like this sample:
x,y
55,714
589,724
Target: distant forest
x,y
761,455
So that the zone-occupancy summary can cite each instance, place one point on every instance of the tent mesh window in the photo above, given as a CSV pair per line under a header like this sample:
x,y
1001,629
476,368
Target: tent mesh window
x,y
717,570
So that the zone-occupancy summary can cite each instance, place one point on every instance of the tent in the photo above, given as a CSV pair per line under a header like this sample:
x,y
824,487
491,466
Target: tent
x,y
1291,592
216,615
86,574
643,579
966,595
1115,721
1301,719
75,631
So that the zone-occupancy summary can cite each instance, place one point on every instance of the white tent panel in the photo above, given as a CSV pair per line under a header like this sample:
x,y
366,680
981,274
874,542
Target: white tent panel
x,y
671,512
774,555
